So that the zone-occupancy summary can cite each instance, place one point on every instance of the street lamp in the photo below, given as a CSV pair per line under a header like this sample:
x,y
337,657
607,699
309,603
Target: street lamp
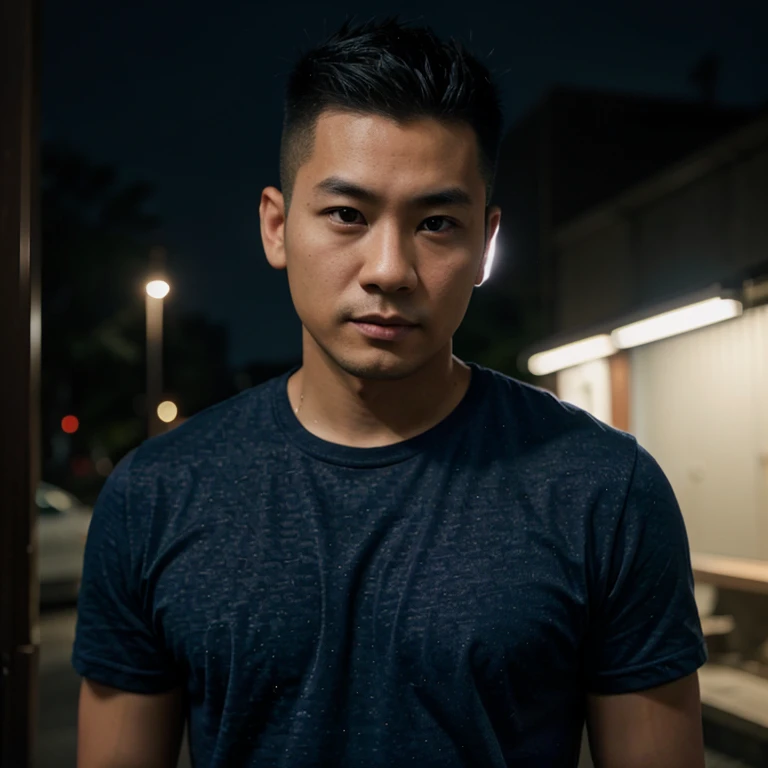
x,y
156,291
167,411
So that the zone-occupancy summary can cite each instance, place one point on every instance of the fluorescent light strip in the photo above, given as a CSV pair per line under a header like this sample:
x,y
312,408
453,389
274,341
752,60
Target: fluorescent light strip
x,y
569,355
675,322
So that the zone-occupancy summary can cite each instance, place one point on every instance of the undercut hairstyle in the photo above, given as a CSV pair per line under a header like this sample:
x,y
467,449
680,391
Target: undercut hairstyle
x,y
389,69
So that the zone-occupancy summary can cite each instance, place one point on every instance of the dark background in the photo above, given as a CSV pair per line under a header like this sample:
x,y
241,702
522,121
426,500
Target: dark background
x,y
161,125
187,96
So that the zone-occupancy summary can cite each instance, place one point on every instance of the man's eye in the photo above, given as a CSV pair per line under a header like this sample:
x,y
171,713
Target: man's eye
x,y
438,224
346,216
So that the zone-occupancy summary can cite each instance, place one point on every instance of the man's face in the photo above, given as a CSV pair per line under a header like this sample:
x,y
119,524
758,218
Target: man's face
x,y
384,240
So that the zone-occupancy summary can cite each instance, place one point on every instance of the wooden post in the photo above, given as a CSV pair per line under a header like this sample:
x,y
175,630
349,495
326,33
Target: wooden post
x,y
19,380
619,370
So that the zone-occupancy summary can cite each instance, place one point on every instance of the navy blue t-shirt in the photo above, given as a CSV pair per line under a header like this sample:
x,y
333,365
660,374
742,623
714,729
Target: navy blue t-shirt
x,y
446,601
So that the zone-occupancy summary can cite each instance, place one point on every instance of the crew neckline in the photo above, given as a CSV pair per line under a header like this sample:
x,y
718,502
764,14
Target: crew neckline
x,y
380,456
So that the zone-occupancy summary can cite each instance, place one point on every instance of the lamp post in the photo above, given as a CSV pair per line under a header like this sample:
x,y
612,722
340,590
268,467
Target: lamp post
x,y
156,291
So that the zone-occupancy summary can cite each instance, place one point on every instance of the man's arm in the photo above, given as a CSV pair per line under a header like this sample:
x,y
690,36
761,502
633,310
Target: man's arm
x,y
117,729
660,727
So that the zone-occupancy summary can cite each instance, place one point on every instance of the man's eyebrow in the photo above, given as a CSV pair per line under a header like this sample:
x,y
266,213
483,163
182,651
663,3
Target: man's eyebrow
x,y
335,185
449,196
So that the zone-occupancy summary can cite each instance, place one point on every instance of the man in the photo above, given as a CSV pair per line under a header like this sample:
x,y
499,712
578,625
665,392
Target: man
x,y
388,557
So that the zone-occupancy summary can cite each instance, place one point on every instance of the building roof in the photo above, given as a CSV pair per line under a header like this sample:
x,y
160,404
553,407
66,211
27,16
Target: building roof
x,y
584,146
739,143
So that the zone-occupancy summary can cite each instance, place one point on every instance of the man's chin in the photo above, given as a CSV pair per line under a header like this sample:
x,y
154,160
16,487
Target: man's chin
x,y
372,360
383,366
378,370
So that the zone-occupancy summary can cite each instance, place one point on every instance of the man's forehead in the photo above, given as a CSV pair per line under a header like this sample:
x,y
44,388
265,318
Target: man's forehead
x,y
364,148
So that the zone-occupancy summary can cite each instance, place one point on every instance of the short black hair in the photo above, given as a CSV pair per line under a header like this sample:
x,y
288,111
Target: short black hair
x,y
394,70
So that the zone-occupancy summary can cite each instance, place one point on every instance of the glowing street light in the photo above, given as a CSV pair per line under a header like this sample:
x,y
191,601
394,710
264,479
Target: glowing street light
x,y
167,411
157,289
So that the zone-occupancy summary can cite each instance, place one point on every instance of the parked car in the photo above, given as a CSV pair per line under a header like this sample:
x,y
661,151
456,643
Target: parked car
x,y
63,522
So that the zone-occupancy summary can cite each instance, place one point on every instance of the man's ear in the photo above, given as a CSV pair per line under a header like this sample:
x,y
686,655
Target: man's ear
x,y
492,221
272,214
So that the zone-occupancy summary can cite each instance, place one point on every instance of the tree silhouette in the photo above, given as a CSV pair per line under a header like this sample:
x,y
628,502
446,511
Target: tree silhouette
x,y
94,235
97,236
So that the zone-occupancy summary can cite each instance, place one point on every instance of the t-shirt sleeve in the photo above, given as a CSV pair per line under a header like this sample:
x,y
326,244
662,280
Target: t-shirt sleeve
x,y
645,628
115,644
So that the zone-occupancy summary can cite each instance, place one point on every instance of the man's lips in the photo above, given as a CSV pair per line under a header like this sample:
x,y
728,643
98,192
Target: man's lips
x,y
383,320
383,327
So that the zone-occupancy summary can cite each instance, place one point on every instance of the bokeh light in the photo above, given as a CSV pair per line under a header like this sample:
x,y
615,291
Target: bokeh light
x,y
167,411
104,466
70,424
158,289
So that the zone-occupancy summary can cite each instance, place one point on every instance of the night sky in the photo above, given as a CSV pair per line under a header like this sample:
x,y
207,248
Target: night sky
x,y
188,96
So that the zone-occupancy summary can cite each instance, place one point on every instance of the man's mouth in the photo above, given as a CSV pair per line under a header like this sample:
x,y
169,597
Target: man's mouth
x,y
384,320
384,327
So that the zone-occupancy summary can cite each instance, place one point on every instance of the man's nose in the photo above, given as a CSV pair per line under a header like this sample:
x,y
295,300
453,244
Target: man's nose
x,y
389,264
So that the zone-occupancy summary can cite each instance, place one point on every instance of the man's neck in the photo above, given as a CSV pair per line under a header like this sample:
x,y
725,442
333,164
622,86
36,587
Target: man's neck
x,y
365,413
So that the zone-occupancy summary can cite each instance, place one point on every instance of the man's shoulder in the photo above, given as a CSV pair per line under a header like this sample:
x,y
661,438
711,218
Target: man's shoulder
x,y
165,480
539,421
217,434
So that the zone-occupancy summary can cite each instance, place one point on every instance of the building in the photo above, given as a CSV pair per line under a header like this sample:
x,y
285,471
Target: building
x,y
695,232
660,318
575,149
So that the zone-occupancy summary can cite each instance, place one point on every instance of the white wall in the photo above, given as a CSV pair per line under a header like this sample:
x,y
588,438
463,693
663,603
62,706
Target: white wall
x,y
699,404
589,387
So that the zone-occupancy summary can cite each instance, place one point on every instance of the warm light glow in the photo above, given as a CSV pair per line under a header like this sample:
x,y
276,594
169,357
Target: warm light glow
x,y
104,466
491,257
167,411
158,289
57,499
70,424
675,322
569,355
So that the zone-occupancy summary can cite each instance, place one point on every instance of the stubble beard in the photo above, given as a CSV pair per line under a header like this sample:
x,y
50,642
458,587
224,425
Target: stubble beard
x,y
379,370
